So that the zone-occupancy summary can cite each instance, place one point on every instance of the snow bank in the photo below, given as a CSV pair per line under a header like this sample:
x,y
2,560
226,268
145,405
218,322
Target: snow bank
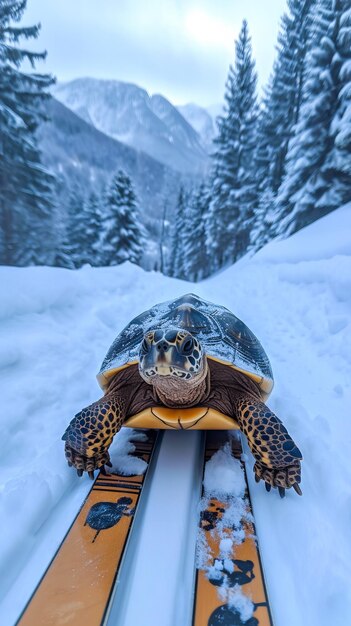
x,y
56,326
324,239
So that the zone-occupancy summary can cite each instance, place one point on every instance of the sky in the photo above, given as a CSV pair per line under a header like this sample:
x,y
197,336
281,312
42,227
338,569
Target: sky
x,y
179,48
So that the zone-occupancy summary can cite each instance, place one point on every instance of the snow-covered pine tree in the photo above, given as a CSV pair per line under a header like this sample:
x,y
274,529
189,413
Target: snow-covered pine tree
x,y
26,201
123,236
91,225
283,97
195,259
318,176
62,254
233,186
76,236
263,221
175,265
70,241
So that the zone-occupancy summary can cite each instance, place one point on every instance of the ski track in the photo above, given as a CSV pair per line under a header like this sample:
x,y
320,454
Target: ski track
x,y
56,326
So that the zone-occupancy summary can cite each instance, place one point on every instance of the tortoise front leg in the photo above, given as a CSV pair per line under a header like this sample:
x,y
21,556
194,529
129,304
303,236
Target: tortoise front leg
x,y
277,456
91,432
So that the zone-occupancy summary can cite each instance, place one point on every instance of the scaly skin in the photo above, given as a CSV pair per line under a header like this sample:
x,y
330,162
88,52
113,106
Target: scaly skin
x,y
90,434
277,456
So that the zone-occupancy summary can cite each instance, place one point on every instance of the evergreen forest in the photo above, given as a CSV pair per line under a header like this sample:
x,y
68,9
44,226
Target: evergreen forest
x,y
279,161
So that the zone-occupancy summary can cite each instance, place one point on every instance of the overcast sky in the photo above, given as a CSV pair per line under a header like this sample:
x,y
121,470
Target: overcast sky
x,y
180,48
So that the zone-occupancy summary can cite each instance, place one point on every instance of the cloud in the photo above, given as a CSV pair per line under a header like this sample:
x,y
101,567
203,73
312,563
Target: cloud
x,y
208,30
180,48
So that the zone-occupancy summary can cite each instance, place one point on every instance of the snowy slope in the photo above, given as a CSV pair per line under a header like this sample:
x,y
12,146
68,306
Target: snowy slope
x,y
127,113
56,326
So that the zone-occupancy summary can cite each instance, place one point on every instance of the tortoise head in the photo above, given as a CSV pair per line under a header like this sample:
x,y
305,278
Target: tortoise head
x,y
175,353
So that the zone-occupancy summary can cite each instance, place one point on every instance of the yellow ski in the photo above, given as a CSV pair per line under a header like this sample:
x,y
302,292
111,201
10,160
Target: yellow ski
x,y
77,586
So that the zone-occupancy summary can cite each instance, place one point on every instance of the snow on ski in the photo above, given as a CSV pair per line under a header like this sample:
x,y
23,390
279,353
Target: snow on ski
x,y
230,588
77,586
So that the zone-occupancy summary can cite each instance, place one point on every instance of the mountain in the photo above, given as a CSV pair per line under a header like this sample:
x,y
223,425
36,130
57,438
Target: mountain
x,y
127,113
83,157
201,120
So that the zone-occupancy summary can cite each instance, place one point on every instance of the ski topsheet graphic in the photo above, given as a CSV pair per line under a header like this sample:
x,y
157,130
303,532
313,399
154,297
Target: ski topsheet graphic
x,y
230,588
78,584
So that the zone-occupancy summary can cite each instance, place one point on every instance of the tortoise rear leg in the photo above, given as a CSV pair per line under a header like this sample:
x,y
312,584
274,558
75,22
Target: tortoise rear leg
x,y
277,456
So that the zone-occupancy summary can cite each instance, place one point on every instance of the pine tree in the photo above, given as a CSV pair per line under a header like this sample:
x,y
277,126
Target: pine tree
x,y
26,201
264,219
68,251
195,259
176,254
319,172
123,236
234,192
91,224
161,263
282,101
76,228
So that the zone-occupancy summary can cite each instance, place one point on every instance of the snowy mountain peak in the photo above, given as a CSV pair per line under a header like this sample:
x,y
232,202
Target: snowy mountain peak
x,y
126,112
201,120
175,121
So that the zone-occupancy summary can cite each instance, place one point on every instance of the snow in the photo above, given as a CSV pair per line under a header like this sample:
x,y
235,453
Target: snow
x,y
122,461
223,475
224,481
56,326
241,603
325,239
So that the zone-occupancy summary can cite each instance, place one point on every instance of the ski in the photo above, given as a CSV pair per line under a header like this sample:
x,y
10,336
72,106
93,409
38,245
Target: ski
x,y
230,588
78,584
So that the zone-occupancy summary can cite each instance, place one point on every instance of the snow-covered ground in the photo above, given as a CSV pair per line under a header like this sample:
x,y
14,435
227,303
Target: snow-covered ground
x,y
56,326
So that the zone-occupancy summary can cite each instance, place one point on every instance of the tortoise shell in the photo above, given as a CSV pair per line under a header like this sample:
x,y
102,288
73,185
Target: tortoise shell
x,y
224,336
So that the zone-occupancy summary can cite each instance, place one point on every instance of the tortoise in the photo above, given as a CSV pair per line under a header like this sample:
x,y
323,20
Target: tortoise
x,y
186,364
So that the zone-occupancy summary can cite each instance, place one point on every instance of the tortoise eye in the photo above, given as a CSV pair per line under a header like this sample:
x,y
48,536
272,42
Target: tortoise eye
x,y
188,346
